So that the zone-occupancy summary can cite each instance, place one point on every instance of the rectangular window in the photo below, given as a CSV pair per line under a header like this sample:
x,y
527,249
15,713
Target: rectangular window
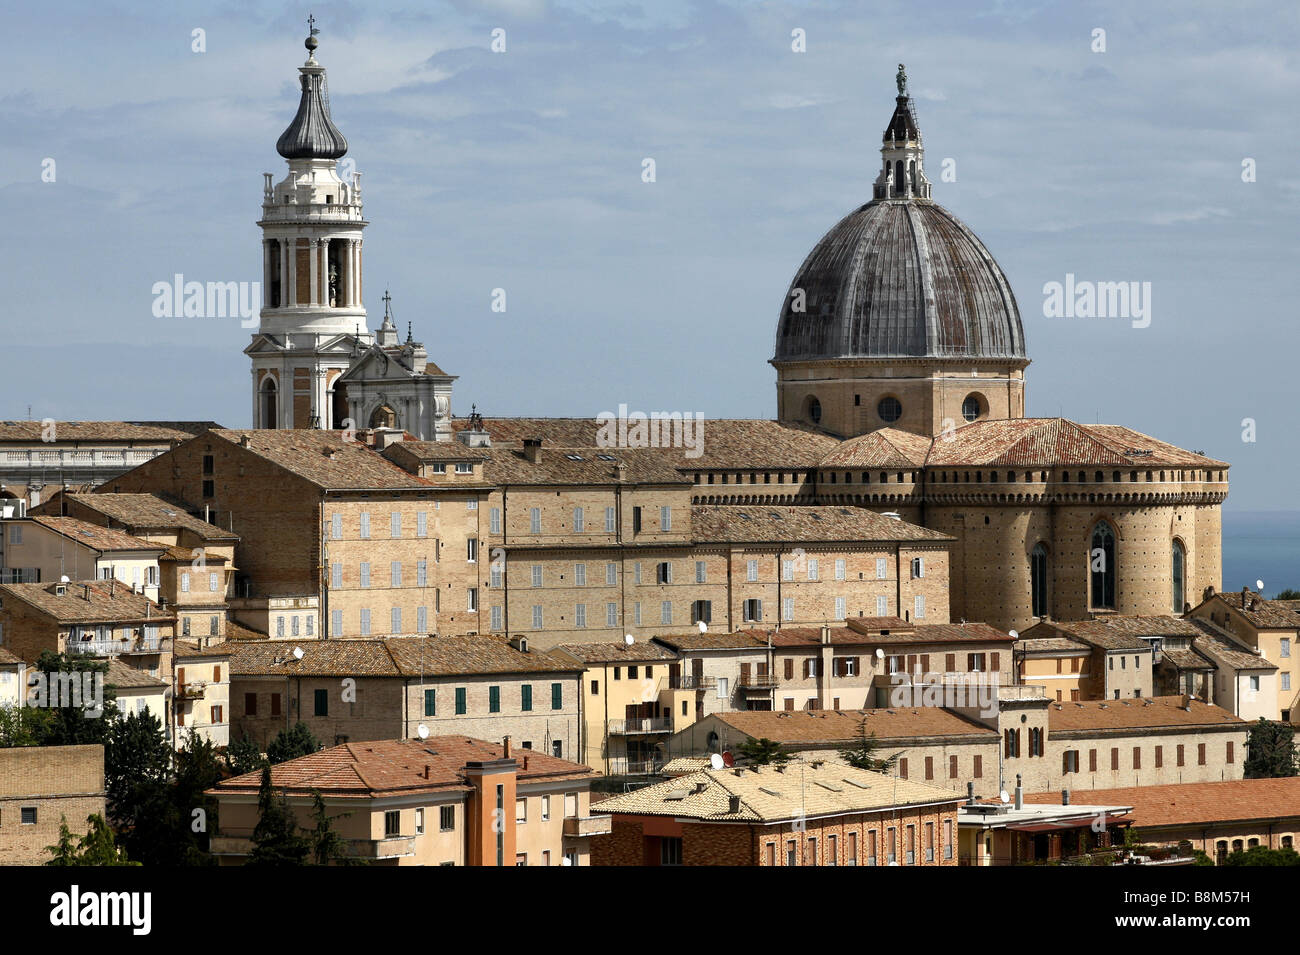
x,y
460,701
395,573
578,521
753,611
250,704
537,617
336,526
702,610
446,818
665,518
813,569
422,619
611,614
365,573
580,615
279,626
701,572
664,572
430,702
526,697
471,549
636,573
918,606
320,702
666,612
534,520
787,608
336,575
494,520
557,696
494,574
580,575
610,525
395,524
392,823
787,570
882,568
1200,754
396,619
1284,647
365,525
636,613
494,699
185,583
882,606
495,617
537,575
751,570
611,574
365,621
841,569
471,600
421,523
840,608
336,623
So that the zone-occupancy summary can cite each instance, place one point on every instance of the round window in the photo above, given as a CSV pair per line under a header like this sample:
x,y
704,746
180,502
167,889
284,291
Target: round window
x,y
889,409
971,407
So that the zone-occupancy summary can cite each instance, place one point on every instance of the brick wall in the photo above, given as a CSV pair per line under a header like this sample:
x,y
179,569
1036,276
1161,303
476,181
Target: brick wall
x,y
58,782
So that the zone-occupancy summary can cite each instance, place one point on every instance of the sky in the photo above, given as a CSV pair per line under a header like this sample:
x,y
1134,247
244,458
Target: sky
x,y
522,170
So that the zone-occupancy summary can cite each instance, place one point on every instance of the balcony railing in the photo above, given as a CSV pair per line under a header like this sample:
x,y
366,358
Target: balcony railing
x,y
690,681
651,724
99,648
622,766
228,843
759,681
145,645
191,691
583,826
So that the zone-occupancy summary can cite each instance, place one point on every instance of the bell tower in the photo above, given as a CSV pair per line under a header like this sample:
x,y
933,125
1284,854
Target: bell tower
x,y
312,319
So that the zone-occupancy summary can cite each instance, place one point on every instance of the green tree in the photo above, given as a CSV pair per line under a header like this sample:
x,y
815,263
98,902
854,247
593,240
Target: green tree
x,y
173,817
136,757
862,753
326,845
1262,856
292,743
73,724
24,725
244,756
1270,751
276,841
97,847
1288,594
762,751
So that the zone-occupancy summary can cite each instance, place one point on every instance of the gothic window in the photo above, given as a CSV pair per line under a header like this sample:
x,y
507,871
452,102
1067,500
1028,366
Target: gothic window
x,y
1179,562
1101,566
1038,579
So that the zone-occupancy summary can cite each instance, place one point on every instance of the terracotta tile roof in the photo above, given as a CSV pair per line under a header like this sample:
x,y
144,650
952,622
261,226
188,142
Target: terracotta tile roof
x,y
585,466
190,648
679,766
1186,660
237,631
103,539
1104,632
446,655
437,451
88,601
1048,442
617,652
1032,645
735,523
1265,614
1186,804
8,659
726,443
714,641
841,726
1157,712
768,794
391,767
123,677
886,448
392,657
960,633
324,459
141,513
1215,643
143,432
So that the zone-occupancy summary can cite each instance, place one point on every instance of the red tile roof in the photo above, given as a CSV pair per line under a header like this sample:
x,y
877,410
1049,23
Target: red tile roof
x,y
1187,804
1157,712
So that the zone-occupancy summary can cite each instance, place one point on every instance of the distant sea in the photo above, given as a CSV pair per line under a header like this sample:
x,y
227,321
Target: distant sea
x,y
1261,545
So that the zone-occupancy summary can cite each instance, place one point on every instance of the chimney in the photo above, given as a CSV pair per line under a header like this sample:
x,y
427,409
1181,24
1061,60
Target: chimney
x,y
533,449
970,794
525,762
505,746
1065,797
1187,702
243,440
826,634
1020,793
426,770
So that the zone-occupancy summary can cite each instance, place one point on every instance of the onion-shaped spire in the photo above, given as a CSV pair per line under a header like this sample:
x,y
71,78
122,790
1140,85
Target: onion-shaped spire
x,y
312,134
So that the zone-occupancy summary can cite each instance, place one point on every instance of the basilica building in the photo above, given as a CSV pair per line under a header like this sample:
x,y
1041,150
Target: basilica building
x,y
900,361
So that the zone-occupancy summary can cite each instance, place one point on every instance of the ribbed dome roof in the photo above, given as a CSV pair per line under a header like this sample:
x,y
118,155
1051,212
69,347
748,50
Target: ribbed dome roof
x,y
900,279
312,134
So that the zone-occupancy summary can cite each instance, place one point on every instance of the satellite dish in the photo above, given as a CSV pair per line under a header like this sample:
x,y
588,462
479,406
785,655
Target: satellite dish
x,y
1014,635
727,759
880,654
1259,585
704,627
422,731
297,653
65,579
717,762
565,861
1004,796
629,639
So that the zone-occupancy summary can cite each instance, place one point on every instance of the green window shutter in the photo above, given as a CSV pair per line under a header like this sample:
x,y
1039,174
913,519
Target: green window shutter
x,y
460,701
430,702
494,699
527,695
557,696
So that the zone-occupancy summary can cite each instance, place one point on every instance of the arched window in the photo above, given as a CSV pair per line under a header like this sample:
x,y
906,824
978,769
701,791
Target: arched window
x,y
1101,566
270,419
813,409
1038,579
1179,562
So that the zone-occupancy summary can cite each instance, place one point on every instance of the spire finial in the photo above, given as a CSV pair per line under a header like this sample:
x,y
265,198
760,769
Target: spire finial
x,y
387,300
410,336
311,42
901,80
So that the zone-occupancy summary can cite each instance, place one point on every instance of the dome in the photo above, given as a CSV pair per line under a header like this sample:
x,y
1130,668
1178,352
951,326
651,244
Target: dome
x,y
900,278
312,133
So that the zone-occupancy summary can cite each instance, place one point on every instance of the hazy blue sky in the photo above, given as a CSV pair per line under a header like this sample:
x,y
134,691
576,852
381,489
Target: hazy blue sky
x,y
522,171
